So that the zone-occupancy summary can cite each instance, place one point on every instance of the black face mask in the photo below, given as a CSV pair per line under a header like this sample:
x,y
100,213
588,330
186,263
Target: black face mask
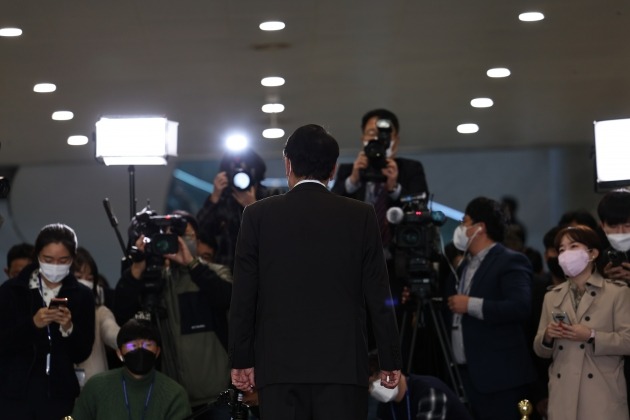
x,y
139,361
554,267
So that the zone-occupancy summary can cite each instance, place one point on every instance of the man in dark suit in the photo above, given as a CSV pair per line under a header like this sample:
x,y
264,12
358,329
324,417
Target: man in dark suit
x,y
490,302
308,263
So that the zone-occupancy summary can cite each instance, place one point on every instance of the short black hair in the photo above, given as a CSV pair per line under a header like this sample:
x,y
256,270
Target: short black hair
x,y
56,233
550,237
312,151
188,218
135,329
18,251
488,211
380,113
614,207
578,217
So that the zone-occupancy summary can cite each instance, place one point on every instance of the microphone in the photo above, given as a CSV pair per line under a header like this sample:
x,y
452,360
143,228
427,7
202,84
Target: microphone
x,y
413,197
394,215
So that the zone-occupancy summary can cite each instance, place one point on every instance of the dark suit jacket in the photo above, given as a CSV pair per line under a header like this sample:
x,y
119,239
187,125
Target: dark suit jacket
x,y
497,350
410,177
308,262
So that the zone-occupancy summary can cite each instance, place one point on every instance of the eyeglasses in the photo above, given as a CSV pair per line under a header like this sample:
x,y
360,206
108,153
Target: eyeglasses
x,y
136,344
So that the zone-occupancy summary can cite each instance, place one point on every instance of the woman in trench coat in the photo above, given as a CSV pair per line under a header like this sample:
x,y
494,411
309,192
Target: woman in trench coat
x,y
586,379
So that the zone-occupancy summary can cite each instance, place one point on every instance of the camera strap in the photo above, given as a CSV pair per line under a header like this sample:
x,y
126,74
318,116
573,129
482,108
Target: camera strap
x,y
146,402
391,407
41,293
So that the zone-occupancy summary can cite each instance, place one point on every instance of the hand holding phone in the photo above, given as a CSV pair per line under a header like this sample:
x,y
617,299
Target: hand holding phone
x,y
56,303
561,317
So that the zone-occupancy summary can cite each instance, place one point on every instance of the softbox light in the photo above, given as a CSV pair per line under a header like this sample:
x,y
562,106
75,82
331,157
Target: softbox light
x,y
612,153
135,140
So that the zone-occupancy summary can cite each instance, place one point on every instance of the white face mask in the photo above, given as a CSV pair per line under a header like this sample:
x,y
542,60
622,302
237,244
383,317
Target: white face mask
x,y
192,245
460,240
619,241
382,394
54,273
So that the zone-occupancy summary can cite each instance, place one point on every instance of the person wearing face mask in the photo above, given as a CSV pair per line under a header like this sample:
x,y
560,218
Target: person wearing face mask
x,y
585,329
192,309
39,344
489,302
541,285
614,216
415,397
105,329
136,390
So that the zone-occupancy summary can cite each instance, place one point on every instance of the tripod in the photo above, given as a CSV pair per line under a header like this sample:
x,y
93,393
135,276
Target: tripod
x,y
421,290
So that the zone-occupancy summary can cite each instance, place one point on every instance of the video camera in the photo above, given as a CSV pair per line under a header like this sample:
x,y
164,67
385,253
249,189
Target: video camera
x,y
416,242
160,237
376,152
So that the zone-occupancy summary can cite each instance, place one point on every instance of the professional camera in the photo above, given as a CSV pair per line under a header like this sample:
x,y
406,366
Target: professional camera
x,y
240,174
376,152
160,237
416,241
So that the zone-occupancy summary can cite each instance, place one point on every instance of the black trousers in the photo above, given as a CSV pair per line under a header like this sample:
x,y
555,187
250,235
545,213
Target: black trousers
x,y
313,402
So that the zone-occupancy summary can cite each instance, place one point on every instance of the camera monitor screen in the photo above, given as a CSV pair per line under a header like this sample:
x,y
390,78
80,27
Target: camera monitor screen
x,y
612,154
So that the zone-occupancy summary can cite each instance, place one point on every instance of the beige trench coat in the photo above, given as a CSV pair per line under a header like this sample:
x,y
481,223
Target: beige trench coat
x,y
586,381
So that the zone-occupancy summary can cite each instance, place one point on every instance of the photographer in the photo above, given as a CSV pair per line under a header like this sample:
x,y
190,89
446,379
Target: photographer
x,y
236,186
377,176
189,306
614,214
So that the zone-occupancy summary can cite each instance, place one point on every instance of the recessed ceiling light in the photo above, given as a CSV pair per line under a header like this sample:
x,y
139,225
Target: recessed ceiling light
x,y
467,128
77,140
498,72
531,17
62,115
10,32
271,26
272,108
273,133
481,103
44,87
272,81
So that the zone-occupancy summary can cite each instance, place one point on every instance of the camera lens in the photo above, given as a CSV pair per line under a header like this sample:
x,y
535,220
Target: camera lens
x,y
241,180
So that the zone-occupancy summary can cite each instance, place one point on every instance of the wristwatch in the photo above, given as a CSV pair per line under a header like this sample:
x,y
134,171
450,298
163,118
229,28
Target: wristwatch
x,y
592,337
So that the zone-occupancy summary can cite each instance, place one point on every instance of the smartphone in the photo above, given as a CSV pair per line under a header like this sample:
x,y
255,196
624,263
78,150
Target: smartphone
x,y
56,303
616,257
559,316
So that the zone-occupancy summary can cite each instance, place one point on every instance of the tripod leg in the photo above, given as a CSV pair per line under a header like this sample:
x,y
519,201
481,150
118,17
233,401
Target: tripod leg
x,y
414,336
453,371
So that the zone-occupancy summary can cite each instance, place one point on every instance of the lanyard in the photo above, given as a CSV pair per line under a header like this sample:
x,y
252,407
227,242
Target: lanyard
x,y
391,407
146,402
41,292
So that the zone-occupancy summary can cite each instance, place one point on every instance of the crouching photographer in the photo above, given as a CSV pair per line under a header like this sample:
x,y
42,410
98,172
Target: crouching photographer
x,y
185,299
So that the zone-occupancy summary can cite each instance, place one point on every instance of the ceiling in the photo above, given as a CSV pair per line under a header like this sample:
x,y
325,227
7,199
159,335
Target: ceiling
x,y
200,62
